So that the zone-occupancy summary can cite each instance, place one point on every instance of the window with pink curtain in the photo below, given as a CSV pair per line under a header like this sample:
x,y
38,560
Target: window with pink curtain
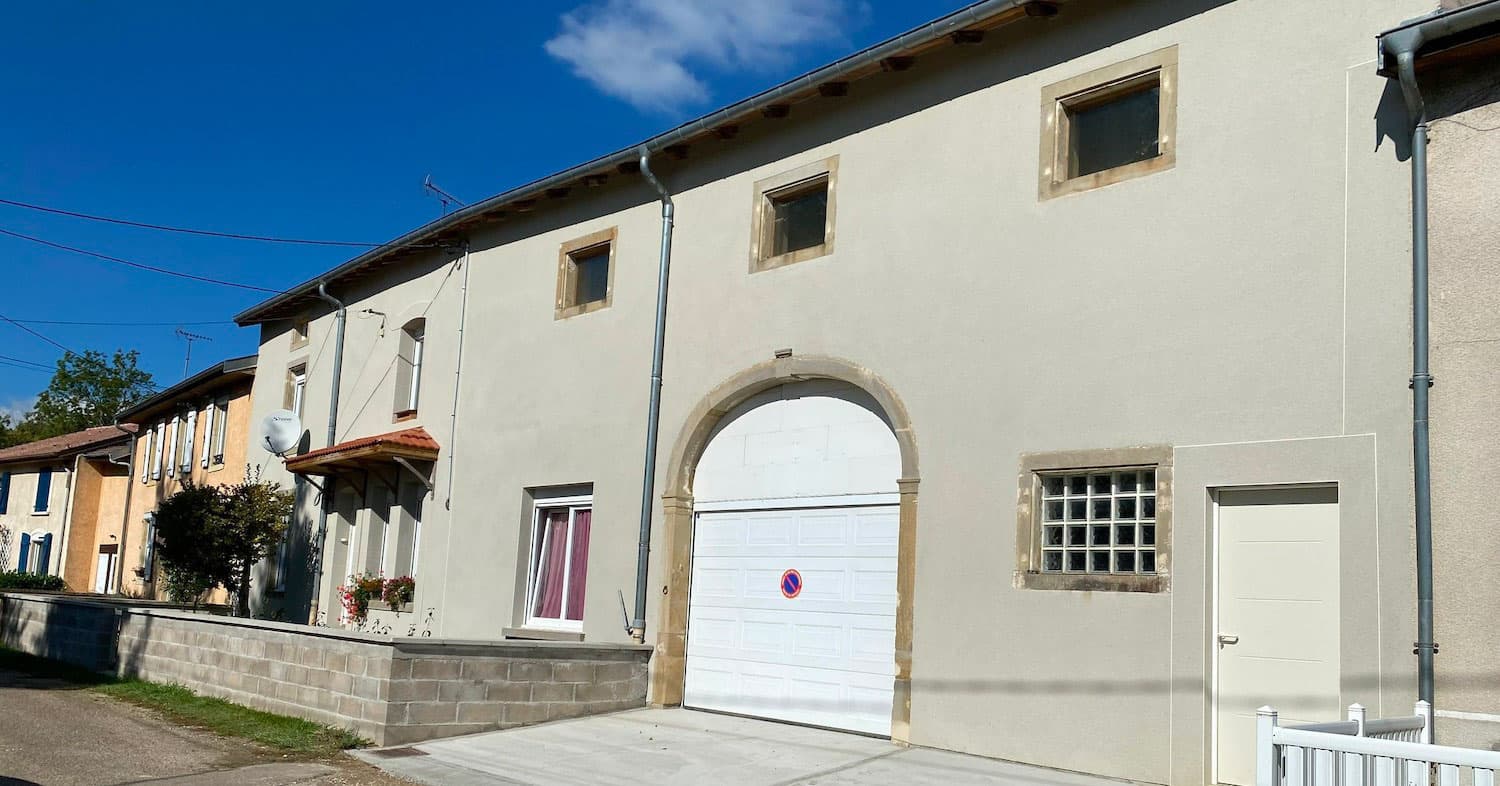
x,y
578,563
559,563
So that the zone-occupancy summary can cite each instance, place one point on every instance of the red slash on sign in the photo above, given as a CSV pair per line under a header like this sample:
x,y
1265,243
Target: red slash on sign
x,y
791,584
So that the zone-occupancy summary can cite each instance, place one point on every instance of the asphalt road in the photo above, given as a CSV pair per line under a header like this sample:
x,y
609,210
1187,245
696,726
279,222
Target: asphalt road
x,y
56,734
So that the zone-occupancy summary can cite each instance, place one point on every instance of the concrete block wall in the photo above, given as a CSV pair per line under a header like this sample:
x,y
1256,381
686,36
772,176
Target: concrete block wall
x,y
444,688
386,689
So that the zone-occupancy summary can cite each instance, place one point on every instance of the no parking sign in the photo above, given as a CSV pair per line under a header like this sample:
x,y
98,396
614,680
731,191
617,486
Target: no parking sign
x,y
791,583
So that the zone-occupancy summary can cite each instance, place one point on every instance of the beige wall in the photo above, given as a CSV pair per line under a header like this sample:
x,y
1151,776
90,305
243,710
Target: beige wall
x,y
20,514
1465,269
144,497
1253,296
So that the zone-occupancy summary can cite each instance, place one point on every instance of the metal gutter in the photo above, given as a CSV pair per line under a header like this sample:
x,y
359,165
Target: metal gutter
x,y
1402,46
231,366
973,15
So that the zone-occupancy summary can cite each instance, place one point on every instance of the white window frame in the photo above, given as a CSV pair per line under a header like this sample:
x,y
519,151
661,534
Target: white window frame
x,y
573,504
413,394
299,390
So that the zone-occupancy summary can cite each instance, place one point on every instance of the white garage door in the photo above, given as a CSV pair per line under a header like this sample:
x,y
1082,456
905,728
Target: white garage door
x,y
792,615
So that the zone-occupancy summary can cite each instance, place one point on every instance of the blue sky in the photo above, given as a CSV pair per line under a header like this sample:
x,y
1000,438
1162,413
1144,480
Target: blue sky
x,y
320,120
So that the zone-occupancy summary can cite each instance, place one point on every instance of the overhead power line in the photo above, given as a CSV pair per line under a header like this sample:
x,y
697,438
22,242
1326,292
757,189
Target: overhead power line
x,y
63,347
27,362
121,324
8,364
39,335
202,232
139,265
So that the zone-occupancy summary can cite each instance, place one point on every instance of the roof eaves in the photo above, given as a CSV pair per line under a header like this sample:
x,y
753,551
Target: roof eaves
x,y
225,368
976,15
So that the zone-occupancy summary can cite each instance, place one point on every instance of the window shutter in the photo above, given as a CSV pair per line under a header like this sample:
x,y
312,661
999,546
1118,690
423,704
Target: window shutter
x,y
186,458
172,449
156,450
148,549
25,547
4,491
43,490
150,440
44,562
208,432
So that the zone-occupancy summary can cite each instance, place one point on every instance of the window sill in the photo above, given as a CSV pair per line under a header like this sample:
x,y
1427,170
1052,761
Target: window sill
x,y
405,415
41,512
564,312
800,255
542,634
1090,582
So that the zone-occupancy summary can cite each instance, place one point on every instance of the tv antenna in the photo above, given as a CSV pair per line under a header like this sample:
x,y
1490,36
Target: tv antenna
x,y
442,196
187,362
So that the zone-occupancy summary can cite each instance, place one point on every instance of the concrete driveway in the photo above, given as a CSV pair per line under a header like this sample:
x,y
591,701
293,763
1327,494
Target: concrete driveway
x,y
686,747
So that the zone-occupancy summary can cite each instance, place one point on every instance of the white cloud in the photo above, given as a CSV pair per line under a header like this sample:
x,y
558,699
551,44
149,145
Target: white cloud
x,y
17,408
645,52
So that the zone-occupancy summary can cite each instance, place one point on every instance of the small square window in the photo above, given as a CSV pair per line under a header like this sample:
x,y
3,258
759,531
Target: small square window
x,y
1109,125
1099,520
794,216
1114,131
591,279
799,217
299,333
585,274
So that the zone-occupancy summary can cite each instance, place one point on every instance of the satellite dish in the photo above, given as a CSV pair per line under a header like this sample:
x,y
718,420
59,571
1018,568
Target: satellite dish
x,y
280,431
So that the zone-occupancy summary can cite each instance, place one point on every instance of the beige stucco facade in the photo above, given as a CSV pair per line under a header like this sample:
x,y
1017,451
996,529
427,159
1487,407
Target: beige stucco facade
x,y
154,478
1245,309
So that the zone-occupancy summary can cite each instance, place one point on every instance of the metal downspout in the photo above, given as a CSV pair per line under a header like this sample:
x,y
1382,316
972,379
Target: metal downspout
x,y
1402,45
458,370
653,412
341,315
1404,49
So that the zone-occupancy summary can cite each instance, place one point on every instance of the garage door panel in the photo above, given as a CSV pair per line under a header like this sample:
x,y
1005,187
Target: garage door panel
x,y
824,657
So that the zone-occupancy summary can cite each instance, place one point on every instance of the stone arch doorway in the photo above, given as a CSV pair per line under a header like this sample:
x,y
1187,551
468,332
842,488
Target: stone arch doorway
x,y
670,660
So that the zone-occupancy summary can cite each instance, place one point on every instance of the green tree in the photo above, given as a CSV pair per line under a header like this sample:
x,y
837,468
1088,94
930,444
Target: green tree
x,y
86,390
214,535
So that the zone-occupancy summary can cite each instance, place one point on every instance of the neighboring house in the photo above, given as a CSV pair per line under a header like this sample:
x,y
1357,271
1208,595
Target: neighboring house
x,y
1088,435
56,497
1459,79
197,429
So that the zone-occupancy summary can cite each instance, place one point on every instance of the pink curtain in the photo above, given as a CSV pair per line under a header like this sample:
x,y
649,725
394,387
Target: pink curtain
x,y
579,565
550,566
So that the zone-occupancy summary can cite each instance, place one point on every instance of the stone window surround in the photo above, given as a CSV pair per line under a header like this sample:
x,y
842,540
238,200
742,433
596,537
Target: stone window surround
x,y
1028,573
1161,66
763,219
564,307
299,332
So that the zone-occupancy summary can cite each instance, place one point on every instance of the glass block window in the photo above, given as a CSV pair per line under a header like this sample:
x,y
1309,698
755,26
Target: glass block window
x,y
1100,521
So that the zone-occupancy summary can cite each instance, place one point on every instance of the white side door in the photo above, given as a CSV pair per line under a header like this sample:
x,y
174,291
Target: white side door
x,y
792,615
102,571
1278,616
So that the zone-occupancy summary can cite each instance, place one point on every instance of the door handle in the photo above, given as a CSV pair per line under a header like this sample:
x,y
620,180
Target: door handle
x,y
1226,639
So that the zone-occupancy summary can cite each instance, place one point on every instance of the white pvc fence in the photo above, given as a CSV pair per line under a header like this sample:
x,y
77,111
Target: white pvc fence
x,y
1360,752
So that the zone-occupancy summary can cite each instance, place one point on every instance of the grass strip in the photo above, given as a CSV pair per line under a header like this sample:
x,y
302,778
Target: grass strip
x,y
185,708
